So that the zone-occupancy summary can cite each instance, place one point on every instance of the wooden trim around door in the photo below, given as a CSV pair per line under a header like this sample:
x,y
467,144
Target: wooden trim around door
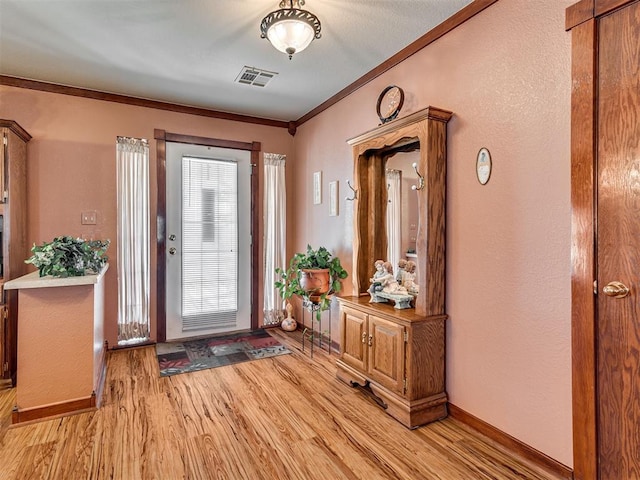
x,y
603,7
578,13
161,138
255,236
583,244
161,235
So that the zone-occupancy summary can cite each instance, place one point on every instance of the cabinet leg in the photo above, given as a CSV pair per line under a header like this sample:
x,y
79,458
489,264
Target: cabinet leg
x,y
366,389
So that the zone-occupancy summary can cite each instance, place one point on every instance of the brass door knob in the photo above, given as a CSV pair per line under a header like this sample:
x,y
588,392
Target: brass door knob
x,y
616,290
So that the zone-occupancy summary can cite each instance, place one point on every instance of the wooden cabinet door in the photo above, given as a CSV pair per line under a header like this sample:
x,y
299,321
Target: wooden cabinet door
x,y
354,337
386,353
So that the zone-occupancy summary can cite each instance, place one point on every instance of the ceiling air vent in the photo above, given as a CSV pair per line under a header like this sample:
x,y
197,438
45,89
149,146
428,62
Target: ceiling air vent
x,y
254,76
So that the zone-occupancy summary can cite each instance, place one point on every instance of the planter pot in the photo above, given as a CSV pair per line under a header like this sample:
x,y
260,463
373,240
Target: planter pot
x,y
315,282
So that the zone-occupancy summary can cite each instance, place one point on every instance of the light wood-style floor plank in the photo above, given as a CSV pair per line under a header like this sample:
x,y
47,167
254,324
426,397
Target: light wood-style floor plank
x,y
282,418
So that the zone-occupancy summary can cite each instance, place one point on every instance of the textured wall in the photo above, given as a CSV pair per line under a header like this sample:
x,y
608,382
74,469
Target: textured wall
x,y
72,167
52,320
506,76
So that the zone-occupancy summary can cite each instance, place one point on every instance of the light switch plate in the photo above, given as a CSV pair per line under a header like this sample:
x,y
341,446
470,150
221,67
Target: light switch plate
x,y
89,218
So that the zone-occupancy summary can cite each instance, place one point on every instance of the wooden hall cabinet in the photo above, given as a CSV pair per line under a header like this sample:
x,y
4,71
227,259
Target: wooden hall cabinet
x,y
13,235
398,356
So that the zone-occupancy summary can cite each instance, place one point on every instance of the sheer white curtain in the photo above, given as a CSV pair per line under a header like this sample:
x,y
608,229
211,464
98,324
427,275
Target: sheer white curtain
x,y
394,217
133,240
275,234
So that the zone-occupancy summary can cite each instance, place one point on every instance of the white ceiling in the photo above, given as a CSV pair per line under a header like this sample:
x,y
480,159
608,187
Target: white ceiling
x,y
190,52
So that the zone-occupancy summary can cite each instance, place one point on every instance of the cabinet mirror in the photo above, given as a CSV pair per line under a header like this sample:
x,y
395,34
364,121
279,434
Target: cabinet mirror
x,y
421,139
402,207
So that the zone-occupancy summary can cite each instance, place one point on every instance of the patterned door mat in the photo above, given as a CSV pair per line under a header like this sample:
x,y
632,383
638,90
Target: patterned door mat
x,y
194,355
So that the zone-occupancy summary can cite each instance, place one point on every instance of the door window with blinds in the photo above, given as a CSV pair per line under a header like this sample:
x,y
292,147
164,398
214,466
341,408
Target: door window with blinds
x,y
208,240
209,243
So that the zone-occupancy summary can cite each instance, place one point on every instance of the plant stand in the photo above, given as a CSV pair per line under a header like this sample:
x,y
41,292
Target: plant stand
x,y
308,334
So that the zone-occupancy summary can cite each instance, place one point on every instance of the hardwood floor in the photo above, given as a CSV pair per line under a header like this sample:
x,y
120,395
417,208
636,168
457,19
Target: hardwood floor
x,y
285,417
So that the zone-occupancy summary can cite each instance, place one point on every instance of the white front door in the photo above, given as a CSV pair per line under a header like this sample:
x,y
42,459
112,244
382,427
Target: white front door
x,y
208,242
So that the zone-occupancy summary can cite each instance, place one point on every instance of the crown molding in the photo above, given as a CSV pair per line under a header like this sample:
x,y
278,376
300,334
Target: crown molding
x,y
431,36
139,102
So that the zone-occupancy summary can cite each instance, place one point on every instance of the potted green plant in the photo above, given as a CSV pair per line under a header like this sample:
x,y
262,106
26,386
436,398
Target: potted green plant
x,y
69,257
313,275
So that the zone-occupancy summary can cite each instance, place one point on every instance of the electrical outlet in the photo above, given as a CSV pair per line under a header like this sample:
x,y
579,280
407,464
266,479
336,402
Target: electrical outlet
x,y
89,218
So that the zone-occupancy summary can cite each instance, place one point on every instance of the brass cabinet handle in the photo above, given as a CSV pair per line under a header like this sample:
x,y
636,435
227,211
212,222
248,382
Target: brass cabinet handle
x,y
364,337
616,290
370,340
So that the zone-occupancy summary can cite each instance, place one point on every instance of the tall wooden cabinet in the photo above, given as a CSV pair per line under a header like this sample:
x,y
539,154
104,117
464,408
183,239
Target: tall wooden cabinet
x,y
398,355
13,236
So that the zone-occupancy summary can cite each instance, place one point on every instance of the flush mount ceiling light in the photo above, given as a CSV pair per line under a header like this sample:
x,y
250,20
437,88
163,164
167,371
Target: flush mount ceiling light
x,y
290,29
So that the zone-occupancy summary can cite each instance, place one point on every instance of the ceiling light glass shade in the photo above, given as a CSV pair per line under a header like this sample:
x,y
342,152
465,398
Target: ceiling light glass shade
x,y
290,36
290,30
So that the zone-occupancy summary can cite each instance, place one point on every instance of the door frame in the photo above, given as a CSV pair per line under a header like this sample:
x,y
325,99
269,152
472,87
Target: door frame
x,y
162,137
581,19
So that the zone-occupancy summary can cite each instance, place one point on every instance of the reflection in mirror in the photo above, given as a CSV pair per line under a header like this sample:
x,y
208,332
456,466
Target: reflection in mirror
x,y
402,208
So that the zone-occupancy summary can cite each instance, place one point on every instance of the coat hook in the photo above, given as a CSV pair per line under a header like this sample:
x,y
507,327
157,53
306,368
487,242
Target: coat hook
x,y
420,185
355,192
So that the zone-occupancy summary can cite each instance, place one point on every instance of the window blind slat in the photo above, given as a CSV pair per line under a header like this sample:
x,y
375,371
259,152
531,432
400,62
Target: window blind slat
x,y
209,243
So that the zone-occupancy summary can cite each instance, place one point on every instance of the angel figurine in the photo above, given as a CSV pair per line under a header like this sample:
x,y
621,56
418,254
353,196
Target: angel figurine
x,y
378,278
389,283
410,277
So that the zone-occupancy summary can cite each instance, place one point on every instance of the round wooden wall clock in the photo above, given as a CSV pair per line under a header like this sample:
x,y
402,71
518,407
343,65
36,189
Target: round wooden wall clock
x,y
389,103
